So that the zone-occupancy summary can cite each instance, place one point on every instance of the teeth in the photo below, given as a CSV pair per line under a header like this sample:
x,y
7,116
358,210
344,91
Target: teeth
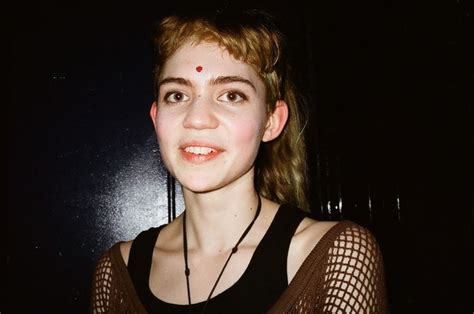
x,y
198,150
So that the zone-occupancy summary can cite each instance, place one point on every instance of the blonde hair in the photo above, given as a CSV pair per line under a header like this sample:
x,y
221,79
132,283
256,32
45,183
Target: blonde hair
x,y
252,37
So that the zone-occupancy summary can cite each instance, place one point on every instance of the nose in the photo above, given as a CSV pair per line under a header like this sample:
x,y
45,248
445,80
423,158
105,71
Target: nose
x,y
200,115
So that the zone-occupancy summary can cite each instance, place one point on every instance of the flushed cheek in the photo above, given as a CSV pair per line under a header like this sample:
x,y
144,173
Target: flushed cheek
x,y
248,137
162,128
166,124
164,132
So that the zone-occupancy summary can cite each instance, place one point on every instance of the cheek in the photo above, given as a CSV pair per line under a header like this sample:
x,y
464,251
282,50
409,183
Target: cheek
x,y
161,129
164,133
248,134
163,126
164,136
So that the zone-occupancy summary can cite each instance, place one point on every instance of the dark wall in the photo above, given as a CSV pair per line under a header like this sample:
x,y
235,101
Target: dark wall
x,y
389,137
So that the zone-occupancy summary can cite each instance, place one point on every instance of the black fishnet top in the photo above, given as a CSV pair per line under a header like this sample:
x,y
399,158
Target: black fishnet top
x,y
343,274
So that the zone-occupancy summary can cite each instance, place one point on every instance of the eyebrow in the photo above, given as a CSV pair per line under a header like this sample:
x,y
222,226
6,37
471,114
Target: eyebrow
x,y
216,81
231,79
177,80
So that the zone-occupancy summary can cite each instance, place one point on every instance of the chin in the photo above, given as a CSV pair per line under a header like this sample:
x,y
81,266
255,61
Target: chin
x,y
198,184
199,188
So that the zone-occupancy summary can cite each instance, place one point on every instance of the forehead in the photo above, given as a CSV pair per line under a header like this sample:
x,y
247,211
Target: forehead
x,y
211,60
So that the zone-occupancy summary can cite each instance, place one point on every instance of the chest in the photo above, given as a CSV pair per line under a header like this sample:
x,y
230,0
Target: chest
x,y
168,280
253,280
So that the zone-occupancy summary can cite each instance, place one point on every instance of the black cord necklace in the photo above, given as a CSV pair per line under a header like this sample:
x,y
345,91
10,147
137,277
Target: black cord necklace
x,y
233,251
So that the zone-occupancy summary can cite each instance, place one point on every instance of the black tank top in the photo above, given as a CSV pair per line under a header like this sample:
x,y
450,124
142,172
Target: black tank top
x,y
255,291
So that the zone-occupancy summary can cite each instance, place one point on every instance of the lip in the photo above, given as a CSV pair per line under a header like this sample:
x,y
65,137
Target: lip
x,y
197,159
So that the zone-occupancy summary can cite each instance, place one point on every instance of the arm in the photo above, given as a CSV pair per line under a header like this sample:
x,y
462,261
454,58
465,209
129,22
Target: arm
x,y
102,294
354,276
112,290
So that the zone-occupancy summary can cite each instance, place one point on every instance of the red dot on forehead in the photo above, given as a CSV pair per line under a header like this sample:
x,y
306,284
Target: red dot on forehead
x,y
199,68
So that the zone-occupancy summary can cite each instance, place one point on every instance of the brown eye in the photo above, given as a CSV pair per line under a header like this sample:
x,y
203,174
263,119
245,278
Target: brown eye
x,y
175,97
232,97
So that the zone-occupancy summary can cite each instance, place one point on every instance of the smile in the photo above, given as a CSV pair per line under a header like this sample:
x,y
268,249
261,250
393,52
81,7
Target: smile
x,y
198,153
199,150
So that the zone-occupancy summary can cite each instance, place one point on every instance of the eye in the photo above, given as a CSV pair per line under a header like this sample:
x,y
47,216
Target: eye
x,y
175,97
232,97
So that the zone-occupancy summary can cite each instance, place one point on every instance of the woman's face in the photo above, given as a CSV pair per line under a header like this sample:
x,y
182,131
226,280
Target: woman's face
x,y
210,117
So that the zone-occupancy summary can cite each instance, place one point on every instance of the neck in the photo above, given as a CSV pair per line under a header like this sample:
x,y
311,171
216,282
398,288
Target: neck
x,y
215,220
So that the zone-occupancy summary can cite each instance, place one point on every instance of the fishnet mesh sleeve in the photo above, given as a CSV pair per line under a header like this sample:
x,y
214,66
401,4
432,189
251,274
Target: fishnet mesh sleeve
x,y
110,291
104,296
343,274
354,276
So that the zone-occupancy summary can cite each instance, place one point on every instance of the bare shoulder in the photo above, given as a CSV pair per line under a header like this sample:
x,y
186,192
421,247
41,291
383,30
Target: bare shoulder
x,y
312,230
125,250
308,234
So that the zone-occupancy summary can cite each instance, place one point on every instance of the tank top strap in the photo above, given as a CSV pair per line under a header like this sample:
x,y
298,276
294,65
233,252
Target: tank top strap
x,y
262,283
140,258
271,255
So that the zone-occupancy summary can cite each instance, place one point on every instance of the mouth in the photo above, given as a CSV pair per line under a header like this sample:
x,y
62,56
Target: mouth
x,y
199,153
199,150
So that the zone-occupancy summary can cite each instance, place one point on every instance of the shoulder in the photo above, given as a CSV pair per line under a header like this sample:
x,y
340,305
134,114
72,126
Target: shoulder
x,y
334,235
354,270
307,236
112,288
342,264
108,267
148,236
355,244
339,245
334,238
125,250
310,232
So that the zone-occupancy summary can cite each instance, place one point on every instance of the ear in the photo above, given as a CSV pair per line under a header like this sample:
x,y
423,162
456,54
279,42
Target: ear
x,y
154,112
276,121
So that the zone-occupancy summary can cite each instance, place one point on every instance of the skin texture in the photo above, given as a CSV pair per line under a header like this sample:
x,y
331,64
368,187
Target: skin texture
x,y
230,117
221,110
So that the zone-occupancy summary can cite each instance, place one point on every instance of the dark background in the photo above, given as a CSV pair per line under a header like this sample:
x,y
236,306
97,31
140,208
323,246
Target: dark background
x,y
390,130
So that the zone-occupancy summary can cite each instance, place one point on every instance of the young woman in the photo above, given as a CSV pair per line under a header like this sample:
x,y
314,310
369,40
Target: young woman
x,y
227,119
